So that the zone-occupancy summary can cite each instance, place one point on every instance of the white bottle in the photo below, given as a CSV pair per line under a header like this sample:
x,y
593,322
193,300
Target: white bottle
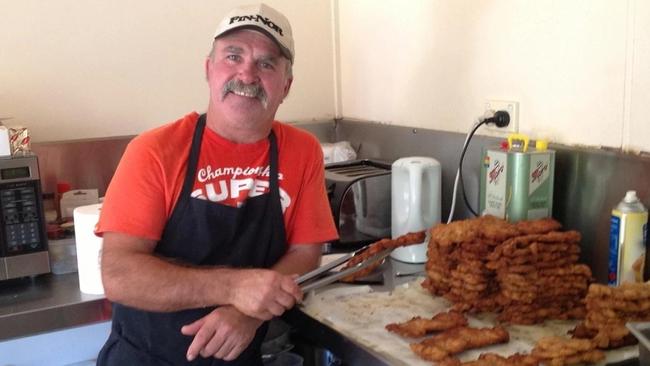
x,y
415,203
627,238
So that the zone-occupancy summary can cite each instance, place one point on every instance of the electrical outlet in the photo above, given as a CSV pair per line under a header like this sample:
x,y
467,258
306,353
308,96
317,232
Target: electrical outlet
x,y
504,105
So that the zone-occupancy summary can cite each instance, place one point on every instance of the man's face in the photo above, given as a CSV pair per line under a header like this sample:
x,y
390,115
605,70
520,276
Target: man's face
x,y
248,78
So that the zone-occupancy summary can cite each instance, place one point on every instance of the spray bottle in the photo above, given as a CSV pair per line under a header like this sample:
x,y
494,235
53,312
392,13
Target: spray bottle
x,y
627,236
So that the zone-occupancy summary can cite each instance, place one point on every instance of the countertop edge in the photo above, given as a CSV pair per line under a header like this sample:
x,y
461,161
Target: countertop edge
x,y
48,303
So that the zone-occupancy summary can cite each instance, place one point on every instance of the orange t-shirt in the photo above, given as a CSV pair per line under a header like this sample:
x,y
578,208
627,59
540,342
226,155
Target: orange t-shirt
x,y
146,185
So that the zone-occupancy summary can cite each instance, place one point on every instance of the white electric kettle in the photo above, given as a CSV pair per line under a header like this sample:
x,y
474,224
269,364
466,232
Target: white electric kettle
x,y
415,202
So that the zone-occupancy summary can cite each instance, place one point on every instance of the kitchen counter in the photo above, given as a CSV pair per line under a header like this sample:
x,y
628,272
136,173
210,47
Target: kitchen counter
x,y
47,303
53,302
338,315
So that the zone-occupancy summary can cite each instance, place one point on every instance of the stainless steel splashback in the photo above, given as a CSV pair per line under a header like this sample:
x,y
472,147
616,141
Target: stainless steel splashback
x,y
82,163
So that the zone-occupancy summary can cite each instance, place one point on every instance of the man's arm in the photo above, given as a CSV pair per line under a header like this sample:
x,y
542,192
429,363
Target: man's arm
x,y
132,275
225,333
299,259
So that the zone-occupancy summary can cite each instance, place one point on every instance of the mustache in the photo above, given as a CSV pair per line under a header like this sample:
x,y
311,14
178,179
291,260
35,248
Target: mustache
x,y
237,86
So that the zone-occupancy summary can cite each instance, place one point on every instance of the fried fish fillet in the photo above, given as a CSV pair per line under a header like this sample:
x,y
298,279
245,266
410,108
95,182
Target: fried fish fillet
x,y
534,243
539,226
496,230
493,359
456,340
378,246
625,291
581,331
418,327
559,351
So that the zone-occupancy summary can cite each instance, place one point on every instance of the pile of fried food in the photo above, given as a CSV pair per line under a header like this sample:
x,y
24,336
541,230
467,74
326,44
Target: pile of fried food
x,y
608,309
526,271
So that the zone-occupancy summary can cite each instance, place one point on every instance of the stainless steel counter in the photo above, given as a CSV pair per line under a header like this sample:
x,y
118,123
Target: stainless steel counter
x,y
47,303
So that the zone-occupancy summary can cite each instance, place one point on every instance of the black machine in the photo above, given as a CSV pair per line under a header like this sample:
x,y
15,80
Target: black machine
x,y
23,238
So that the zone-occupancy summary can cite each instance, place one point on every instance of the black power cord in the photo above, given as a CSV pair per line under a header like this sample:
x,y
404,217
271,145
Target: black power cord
x,y
500,119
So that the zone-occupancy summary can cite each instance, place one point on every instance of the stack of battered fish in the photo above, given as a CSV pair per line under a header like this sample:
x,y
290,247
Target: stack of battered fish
x,y
526,271
539,277
609,308
457,256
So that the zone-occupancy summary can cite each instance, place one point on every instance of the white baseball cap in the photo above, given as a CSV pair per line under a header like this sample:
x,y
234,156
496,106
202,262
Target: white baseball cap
x,y
262,18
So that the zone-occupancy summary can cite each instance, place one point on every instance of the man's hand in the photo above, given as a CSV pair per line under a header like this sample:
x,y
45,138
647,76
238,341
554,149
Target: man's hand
x,y
224,334
263,294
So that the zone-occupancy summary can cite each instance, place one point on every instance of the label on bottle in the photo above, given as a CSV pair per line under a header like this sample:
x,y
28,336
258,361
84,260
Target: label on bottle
x,y
496,181
614,231
627,246
540,188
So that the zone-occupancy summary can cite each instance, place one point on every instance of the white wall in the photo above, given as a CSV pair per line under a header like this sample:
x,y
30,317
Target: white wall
x,y
578,68
78,69
71,69
638,133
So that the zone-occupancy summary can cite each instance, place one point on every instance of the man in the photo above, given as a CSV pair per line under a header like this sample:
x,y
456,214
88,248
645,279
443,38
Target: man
x,y
208,220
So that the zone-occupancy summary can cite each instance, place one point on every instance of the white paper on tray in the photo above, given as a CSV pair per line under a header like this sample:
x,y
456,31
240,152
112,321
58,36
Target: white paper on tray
x,y
361,314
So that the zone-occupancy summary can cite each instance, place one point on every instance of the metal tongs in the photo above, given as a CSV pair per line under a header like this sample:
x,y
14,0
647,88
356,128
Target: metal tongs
x,y
338,275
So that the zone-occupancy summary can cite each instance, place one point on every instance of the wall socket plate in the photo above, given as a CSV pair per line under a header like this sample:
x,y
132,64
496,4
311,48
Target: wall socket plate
x,y
512,108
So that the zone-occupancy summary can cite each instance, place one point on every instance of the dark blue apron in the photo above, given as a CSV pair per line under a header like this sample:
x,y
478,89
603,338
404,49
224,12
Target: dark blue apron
x,y
201,232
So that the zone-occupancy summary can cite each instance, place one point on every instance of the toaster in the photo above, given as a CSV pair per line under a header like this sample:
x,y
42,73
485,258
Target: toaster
x,y
359,193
